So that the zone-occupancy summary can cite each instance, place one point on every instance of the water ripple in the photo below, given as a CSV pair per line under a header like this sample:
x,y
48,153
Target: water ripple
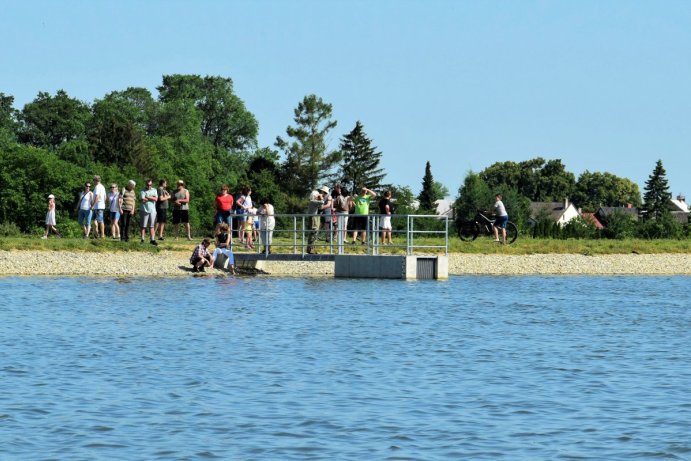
x,y
482,368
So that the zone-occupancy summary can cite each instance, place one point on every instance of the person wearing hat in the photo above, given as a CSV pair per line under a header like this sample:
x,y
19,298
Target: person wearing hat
x,y
327,212
50,218
181,209
315,203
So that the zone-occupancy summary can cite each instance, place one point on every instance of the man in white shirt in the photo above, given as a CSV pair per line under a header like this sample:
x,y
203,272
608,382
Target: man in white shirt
x,y
99,207
502,219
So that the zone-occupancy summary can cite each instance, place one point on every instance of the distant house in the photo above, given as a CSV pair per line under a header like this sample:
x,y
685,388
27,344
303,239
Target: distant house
x,y
559,212
444,207
591,218
605,212
680,209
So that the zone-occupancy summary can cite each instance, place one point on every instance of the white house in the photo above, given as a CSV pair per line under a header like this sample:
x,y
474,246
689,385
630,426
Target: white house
x,y
559,212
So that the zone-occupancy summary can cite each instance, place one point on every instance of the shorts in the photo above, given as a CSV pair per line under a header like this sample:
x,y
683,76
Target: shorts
x,y
162,216
97,215
501,221
256,225
223,217
114,216
147,219
359,223
181,216
385,223
84,217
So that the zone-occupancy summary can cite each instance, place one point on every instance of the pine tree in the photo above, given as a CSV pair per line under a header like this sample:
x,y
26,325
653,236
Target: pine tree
x,y
308,159
360,161
656,197
429,193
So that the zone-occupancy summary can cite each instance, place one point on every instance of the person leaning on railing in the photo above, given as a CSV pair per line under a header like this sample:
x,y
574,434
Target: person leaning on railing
x,y
315,203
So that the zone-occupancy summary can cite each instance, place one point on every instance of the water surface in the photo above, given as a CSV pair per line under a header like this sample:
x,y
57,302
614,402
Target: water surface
x,y
481,368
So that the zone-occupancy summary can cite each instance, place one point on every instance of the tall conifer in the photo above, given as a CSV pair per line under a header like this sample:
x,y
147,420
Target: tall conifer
x,y
360,161
656,197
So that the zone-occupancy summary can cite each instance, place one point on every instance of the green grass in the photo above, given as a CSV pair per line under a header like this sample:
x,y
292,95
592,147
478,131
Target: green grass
x,y
483,245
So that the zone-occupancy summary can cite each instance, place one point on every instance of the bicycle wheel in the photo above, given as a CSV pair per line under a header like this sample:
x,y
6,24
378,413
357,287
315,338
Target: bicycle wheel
x,y
511,232
468,231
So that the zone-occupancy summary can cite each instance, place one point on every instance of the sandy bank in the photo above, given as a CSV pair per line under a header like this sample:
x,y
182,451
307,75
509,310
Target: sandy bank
x,y
177,264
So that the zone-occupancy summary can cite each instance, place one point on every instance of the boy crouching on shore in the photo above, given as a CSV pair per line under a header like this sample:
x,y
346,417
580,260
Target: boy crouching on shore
x,y
201,257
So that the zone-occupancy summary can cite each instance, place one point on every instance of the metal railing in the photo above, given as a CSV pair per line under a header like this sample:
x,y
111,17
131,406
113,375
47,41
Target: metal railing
x,y
297,233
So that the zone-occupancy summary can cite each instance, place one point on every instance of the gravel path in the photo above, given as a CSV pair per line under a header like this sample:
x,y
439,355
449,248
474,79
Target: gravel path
x,y
168,263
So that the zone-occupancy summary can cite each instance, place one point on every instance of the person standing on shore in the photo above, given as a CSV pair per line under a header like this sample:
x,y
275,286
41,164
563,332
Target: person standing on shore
x,y
50,218
327,212
99,208
501,220
362,203
181,210
315,203
224,208
267,223
162,208
385,209
84,205
127,205
147,215
115,211
342,205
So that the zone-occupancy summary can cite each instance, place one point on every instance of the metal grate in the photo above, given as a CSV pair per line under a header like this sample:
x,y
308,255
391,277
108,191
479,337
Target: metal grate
x,y
426,268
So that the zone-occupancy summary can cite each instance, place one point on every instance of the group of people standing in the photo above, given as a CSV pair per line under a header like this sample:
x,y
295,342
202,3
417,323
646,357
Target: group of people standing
x,y
121,207
330,214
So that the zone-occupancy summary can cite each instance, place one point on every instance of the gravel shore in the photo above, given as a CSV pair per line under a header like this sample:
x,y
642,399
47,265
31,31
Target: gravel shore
x,y
168,263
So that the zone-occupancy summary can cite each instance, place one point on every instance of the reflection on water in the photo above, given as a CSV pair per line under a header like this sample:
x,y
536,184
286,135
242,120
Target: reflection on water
x,y
518,368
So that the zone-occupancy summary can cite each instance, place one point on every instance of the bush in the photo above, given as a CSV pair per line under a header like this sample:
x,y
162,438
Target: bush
x,y
664,227
579,228
619,226
9,229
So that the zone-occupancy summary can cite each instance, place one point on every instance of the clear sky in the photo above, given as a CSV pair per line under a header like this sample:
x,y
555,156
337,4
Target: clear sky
x,y
602,85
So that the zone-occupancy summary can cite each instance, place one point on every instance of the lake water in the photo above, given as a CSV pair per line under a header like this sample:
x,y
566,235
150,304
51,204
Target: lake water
x,y
477,368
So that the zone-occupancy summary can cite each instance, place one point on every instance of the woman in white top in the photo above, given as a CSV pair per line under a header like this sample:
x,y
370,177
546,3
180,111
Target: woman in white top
x,y
86,199
267,223
115,211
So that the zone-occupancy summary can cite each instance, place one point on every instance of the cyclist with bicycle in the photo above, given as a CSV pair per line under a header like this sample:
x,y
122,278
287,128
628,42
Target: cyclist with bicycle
x,y
502,219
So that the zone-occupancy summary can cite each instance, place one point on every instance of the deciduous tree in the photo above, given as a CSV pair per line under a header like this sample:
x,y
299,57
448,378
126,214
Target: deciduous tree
x,y
49,121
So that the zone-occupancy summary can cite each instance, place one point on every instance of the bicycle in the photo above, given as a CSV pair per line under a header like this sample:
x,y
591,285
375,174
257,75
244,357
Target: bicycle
x,y
469,230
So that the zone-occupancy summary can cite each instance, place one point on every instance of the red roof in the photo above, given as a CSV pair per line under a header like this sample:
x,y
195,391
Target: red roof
x,y
591,217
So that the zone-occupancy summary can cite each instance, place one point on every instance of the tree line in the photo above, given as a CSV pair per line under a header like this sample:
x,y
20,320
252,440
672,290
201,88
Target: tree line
x,y
540,180
196,129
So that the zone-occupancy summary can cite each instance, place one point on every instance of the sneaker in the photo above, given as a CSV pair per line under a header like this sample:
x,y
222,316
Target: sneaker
x,y
44,237
201,269
153,242
141,241
195,269
161,238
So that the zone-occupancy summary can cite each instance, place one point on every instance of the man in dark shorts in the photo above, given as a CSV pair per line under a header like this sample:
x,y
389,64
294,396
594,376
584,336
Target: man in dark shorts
x,y
181,207
362,203
162,208
502,219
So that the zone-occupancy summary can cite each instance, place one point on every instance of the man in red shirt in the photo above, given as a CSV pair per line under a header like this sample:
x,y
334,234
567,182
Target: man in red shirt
x,y
224,206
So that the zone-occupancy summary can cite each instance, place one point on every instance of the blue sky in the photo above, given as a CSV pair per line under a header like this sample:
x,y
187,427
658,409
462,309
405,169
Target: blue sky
x,y
602,85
